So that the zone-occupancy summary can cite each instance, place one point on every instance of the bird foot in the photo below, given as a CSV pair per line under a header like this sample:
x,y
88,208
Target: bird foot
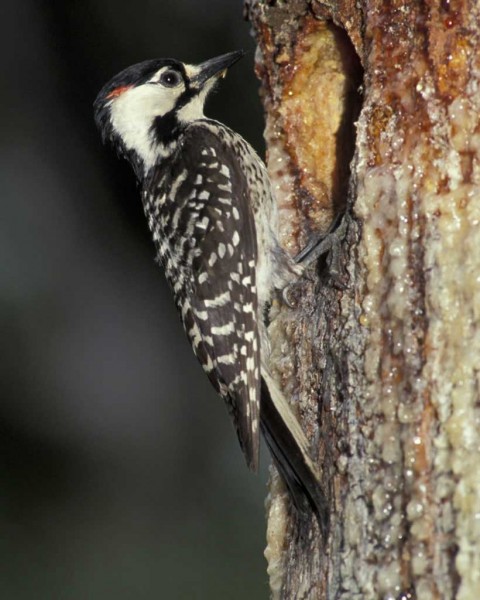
x,y
328,244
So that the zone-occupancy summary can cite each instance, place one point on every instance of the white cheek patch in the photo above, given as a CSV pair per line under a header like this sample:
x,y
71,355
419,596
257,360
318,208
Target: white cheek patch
x,y
133,113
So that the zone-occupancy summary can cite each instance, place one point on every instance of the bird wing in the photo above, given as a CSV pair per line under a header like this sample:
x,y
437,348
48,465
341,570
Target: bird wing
x,y
215,240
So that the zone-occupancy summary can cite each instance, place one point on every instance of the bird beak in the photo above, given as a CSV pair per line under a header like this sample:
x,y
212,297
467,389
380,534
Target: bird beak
x,y
215,67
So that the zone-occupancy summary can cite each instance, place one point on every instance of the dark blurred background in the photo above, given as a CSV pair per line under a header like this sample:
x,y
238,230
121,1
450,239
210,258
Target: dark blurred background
x,y
121,476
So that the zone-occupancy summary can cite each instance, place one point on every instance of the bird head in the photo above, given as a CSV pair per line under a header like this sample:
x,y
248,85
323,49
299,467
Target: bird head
x,y
143,109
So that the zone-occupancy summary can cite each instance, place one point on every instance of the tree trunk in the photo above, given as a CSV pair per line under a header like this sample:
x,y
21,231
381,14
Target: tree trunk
x,y
384,370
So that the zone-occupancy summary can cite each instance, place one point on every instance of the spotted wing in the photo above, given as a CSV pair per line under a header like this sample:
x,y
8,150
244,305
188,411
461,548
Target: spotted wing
x,y
215,242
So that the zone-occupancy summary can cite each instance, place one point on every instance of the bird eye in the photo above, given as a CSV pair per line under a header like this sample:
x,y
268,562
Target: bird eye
x,y
170,78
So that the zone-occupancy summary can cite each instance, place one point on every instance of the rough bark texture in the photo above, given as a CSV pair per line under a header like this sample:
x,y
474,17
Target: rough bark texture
x,y
384,374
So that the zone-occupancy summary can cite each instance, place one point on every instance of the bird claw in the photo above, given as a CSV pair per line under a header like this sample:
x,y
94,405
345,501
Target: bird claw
x,y
328,244
286,296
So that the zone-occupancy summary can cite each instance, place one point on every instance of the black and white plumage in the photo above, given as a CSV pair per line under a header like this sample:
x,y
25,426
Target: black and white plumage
x,y
210,208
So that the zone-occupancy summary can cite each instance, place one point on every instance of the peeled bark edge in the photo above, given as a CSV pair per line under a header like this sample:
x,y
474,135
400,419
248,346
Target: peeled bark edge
x,y
310,175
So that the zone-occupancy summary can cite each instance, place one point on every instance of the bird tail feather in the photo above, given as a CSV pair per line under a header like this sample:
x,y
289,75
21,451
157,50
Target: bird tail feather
x,y
290,451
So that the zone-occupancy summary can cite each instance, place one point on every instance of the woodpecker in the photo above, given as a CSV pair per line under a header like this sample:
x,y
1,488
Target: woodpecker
x,y
210,208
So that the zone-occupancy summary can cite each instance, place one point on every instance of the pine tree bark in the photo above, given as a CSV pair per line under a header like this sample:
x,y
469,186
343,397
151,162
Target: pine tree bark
x,y
384,370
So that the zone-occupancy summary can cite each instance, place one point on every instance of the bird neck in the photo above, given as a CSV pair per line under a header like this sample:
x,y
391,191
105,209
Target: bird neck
x,y
148,151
